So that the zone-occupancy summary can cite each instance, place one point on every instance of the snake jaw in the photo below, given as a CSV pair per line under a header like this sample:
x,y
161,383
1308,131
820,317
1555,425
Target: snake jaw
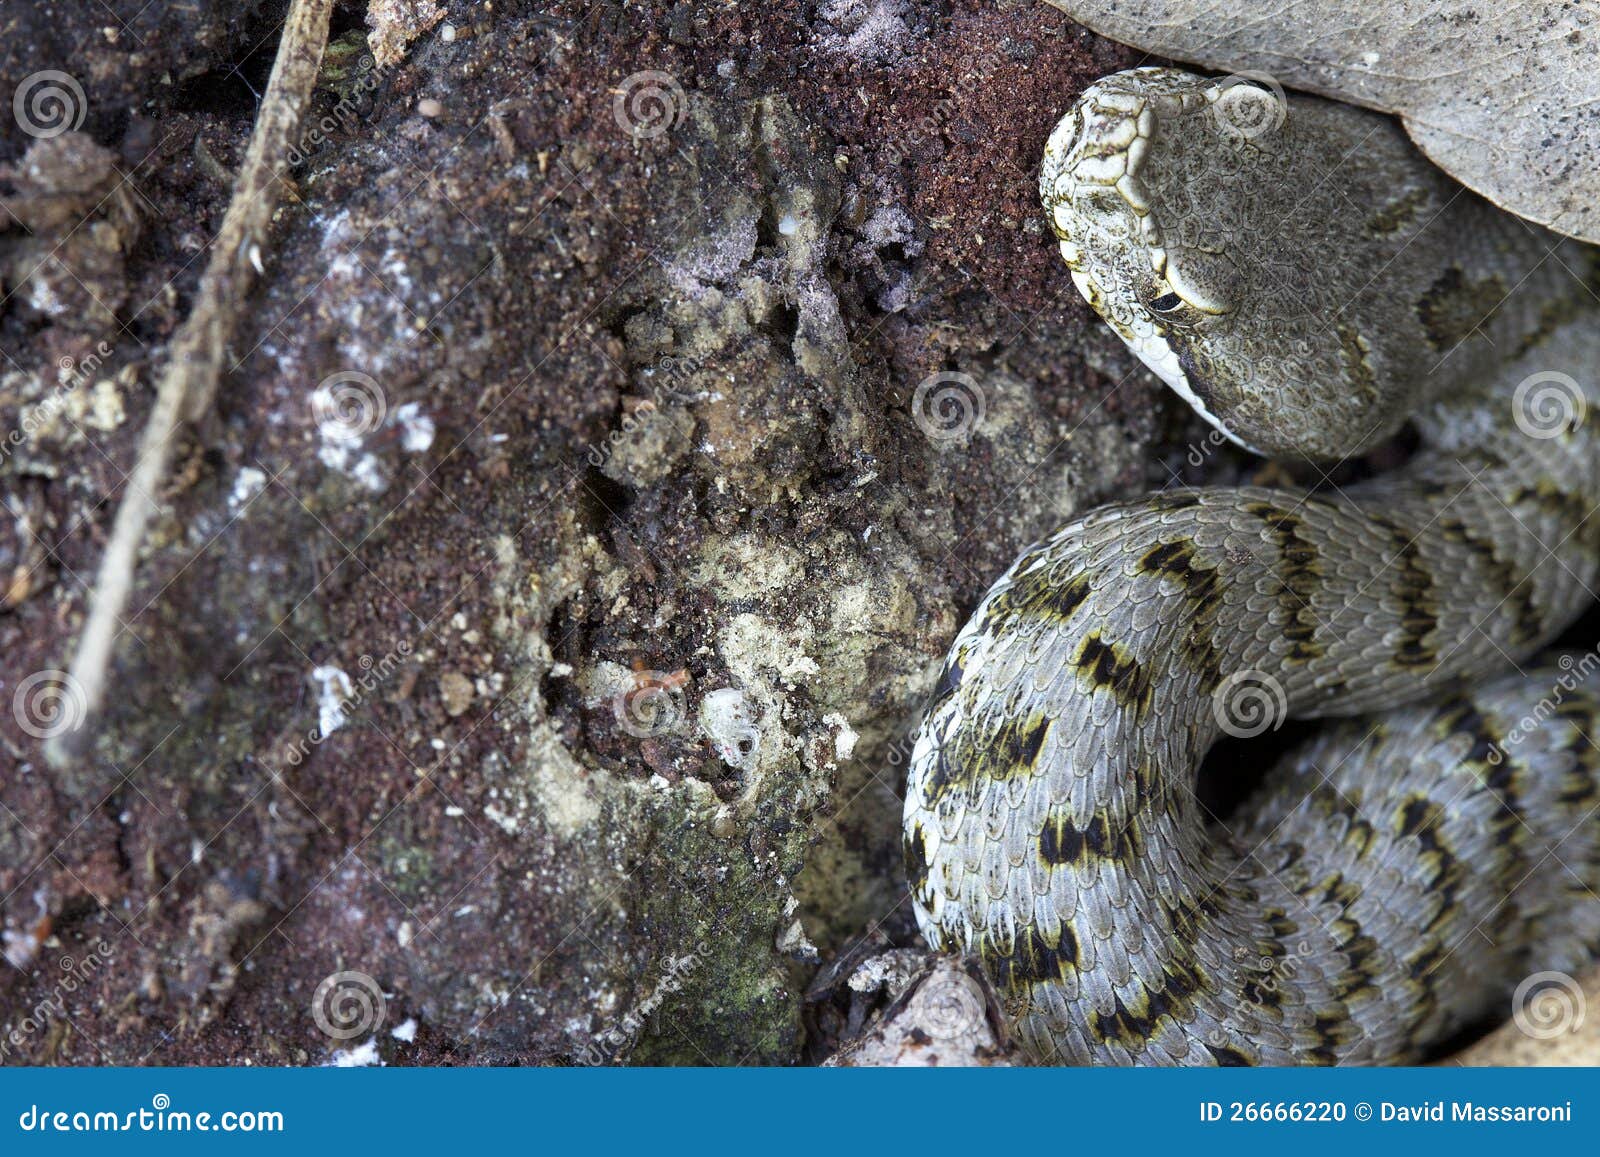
x,y
1154,347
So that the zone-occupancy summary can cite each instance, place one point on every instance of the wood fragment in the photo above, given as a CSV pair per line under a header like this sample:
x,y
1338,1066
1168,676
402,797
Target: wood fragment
x,y
188,383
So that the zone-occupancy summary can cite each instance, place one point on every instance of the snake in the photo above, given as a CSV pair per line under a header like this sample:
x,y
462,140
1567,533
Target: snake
x,y
1317,291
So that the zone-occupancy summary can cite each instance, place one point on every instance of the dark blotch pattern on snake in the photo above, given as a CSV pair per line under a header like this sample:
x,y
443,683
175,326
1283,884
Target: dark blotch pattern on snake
x,y
1308,283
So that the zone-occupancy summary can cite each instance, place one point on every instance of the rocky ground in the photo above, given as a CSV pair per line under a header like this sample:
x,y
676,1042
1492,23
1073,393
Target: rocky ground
x,y
636,399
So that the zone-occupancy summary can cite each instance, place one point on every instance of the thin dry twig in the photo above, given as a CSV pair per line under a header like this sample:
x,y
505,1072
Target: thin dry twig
x,y
189,382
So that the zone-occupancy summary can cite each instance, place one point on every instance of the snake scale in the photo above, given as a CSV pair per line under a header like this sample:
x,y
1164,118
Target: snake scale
x,y
1300,275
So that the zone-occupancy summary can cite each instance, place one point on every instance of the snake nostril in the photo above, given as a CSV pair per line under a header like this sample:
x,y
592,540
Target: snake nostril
x,y
1166,303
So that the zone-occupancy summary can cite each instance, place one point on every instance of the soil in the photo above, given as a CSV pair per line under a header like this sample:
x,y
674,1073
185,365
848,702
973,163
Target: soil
x,y
531,632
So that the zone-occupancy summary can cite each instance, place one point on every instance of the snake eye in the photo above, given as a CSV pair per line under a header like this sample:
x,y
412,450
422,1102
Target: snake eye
x,y
1166,303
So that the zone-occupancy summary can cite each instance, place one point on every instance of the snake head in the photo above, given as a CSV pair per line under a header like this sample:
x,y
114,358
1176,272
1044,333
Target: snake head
x,y
1198,222
1113,223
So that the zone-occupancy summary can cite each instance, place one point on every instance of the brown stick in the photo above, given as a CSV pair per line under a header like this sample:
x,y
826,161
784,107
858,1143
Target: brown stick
x,y
194,365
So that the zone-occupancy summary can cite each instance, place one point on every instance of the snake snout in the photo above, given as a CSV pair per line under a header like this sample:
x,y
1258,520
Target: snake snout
x,y
1097,146
1061,146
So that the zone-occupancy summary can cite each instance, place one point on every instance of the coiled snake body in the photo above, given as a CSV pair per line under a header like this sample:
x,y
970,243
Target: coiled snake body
x,y
1309,283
